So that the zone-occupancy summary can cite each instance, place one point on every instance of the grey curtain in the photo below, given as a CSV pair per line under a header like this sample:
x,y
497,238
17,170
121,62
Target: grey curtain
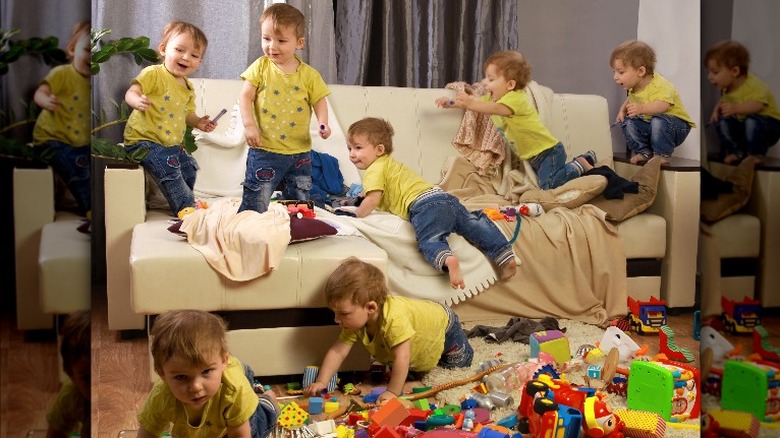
x,y
420,43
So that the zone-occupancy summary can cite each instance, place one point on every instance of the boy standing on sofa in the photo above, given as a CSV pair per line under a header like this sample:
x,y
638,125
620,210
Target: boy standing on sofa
x,y
408,334
163,103
652,117
392,186
276,102
204,391
507,73
63,123
746,118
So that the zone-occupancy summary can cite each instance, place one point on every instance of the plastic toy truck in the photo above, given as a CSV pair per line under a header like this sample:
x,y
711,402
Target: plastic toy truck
x,y
647,316
739,317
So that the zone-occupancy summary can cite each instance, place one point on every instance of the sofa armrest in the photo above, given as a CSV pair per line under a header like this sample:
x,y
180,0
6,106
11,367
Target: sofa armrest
x,y
677,201
29,219
125,207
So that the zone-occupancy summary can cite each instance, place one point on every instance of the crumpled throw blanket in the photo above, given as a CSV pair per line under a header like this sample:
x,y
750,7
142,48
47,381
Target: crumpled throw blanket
x,y
479,141
518,329
240,246
616,184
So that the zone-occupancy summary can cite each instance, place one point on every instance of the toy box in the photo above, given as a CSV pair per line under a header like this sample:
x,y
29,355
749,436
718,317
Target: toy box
x,y
668,388
752,387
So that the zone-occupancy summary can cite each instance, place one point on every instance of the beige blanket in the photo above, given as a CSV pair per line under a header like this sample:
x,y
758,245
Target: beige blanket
x,y
573,261
240,246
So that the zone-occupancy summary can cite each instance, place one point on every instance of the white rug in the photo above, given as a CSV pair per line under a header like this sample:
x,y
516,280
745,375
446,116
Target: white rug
x,y
577,333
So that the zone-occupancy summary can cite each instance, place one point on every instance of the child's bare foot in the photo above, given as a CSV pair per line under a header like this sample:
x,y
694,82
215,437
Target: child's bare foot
x,y
731,158
508,270
456,278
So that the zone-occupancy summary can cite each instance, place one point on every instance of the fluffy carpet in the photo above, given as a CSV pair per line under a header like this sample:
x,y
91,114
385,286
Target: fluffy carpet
x,y
577,333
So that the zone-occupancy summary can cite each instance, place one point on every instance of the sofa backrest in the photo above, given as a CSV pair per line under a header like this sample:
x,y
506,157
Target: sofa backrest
x,y
423,132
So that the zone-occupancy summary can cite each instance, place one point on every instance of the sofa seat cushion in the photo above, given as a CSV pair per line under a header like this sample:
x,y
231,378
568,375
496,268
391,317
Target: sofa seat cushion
x,y
168,273
737,236
644,236
64,266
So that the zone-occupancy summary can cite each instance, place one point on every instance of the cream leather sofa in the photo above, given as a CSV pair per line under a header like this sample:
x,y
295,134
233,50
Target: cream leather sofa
x,y
52,257
150,270
746,244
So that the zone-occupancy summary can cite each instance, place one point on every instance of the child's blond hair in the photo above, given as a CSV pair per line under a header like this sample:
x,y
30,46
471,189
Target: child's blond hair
x,y
512,65
80,28
636,54
729,54
377,131
175,27
356,281
76,337
284,16
189,335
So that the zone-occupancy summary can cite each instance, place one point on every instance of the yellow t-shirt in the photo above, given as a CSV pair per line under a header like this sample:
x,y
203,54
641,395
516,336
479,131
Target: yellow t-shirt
x,y
232,405
283,104
400,185
165,121
754,90
69,410
524,129
70,122
422,321
660,89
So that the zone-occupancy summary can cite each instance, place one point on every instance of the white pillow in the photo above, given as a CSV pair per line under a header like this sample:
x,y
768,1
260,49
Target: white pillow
x,y
335,145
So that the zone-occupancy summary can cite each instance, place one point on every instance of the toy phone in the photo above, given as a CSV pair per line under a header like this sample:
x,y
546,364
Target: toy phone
x,y
221,113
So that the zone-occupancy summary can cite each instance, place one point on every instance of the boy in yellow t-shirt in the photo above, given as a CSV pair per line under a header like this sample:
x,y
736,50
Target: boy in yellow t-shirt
x,y
409,334
163,102
71,410
433,213
652,117
63,124
204,391
276,101
746,117
507,73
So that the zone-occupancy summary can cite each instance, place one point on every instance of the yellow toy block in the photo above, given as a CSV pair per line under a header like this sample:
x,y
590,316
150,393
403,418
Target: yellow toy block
x,y
642,424
292,416
744,423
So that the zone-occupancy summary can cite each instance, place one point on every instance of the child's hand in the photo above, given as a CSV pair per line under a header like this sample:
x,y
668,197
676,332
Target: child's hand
x,y
314,389
205,124
50,102
324,131
142,103
633,109
385,396
444,102
727,109
252,134
464,100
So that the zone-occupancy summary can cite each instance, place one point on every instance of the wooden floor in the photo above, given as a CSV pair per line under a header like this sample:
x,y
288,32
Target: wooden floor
x,y
121,379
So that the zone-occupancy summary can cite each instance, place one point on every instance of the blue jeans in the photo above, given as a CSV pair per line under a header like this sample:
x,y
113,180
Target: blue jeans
x,y
457,350
551,167
72,164
435,214
657,136
174,171
266,170
753,135
263,419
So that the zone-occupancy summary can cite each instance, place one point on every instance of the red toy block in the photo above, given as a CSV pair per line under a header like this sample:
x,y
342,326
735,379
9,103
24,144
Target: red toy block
x,y
415,415
391,414
386,432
